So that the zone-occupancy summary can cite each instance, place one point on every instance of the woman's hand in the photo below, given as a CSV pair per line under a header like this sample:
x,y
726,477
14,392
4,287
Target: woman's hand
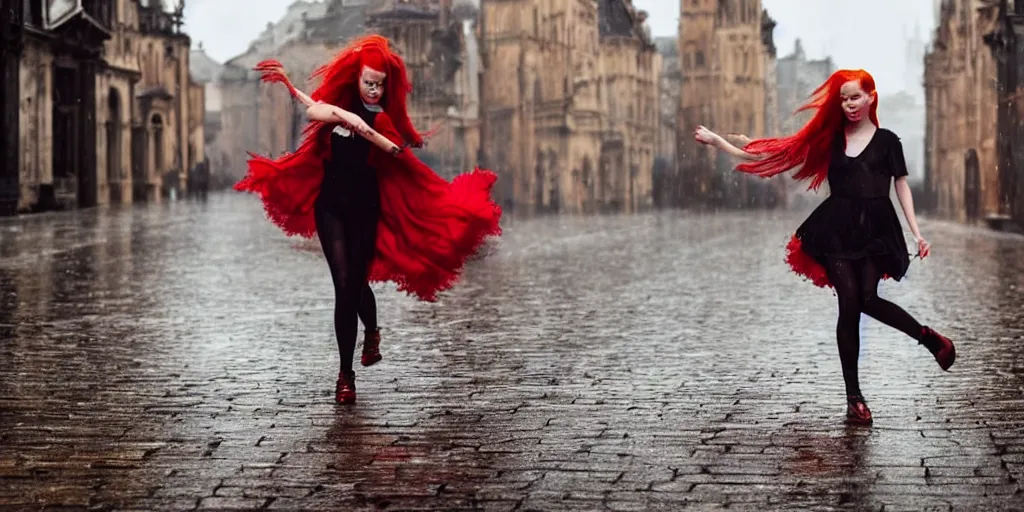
x,y
907,202
923,247
273,71
705,136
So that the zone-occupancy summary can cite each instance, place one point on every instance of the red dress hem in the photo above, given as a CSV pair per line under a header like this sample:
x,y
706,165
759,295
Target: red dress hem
x,y
806,266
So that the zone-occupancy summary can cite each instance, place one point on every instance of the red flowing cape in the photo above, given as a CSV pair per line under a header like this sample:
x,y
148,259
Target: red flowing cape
x,y
428,227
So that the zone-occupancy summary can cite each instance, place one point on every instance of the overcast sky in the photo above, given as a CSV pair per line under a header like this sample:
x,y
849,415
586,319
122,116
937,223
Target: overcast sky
x,y
867,34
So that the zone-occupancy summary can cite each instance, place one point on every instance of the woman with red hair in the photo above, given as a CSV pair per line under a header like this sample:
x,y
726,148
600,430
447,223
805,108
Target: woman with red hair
x,y
853,239
379,212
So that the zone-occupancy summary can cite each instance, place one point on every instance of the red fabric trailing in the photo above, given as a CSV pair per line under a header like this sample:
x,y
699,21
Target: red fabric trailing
x,y
804,265
428,227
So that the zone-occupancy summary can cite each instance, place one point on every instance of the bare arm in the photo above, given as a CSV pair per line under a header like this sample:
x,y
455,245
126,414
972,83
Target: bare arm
x,y
705,136
327,113
273,71
728,147
304,98
907,202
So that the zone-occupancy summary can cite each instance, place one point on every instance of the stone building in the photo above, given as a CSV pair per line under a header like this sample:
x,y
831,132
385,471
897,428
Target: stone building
x,y
107,111
797,78
667,182
12,44
962,179
772,119
213,171
570,103
264,118
58,79
630,68
207,72
725,50
1007,45
757,192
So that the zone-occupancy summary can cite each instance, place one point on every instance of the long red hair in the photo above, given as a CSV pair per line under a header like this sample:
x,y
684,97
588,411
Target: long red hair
x,y
810,148
339,81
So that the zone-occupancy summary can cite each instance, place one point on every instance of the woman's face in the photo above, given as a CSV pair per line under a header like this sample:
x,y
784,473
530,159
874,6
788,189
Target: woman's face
x,y
855,101
371,85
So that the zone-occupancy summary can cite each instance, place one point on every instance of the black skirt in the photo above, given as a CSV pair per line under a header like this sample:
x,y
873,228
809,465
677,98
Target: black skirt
x,y
854,228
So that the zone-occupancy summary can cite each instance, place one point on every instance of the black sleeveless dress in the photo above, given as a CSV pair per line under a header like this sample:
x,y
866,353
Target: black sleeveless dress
x,y
349,193
858,219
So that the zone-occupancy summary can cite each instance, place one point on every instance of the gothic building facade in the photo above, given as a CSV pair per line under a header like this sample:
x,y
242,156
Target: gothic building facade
x,y
727,54
667,182
570,104
107,112
962,179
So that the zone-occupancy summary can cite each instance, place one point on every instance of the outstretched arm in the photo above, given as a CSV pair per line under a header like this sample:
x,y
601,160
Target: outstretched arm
x,y
907,202
327,113
273,71
705,136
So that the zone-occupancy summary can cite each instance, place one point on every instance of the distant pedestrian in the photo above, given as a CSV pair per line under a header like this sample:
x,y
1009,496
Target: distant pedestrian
x,y
379,212
853,239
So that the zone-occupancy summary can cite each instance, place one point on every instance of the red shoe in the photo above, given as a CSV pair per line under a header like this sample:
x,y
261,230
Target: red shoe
x,y
940,347
345,389
857,410
371,348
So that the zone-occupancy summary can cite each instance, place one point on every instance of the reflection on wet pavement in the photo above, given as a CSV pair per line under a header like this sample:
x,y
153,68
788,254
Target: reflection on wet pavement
x,y
182,356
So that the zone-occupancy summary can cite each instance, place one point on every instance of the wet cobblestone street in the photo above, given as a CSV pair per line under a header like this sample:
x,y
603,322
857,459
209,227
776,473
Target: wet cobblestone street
x,y
182,356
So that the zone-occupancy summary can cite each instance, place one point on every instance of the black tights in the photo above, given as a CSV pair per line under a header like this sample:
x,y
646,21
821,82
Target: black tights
x,y
348,240
368,309
856,284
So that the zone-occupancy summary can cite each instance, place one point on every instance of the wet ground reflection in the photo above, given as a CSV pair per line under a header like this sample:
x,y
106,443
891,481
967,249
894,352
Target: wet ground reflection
x,y
182,356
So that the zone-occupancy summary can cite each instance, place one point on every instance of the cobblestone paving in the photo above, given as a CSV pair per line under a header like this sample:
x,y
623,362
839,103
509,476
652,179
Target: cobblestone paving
x,y
182,356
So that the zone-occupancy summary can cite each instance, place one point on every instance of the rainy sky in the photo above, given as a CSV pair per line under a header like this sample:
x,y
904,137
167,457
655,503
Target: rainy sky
x,y
867,34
